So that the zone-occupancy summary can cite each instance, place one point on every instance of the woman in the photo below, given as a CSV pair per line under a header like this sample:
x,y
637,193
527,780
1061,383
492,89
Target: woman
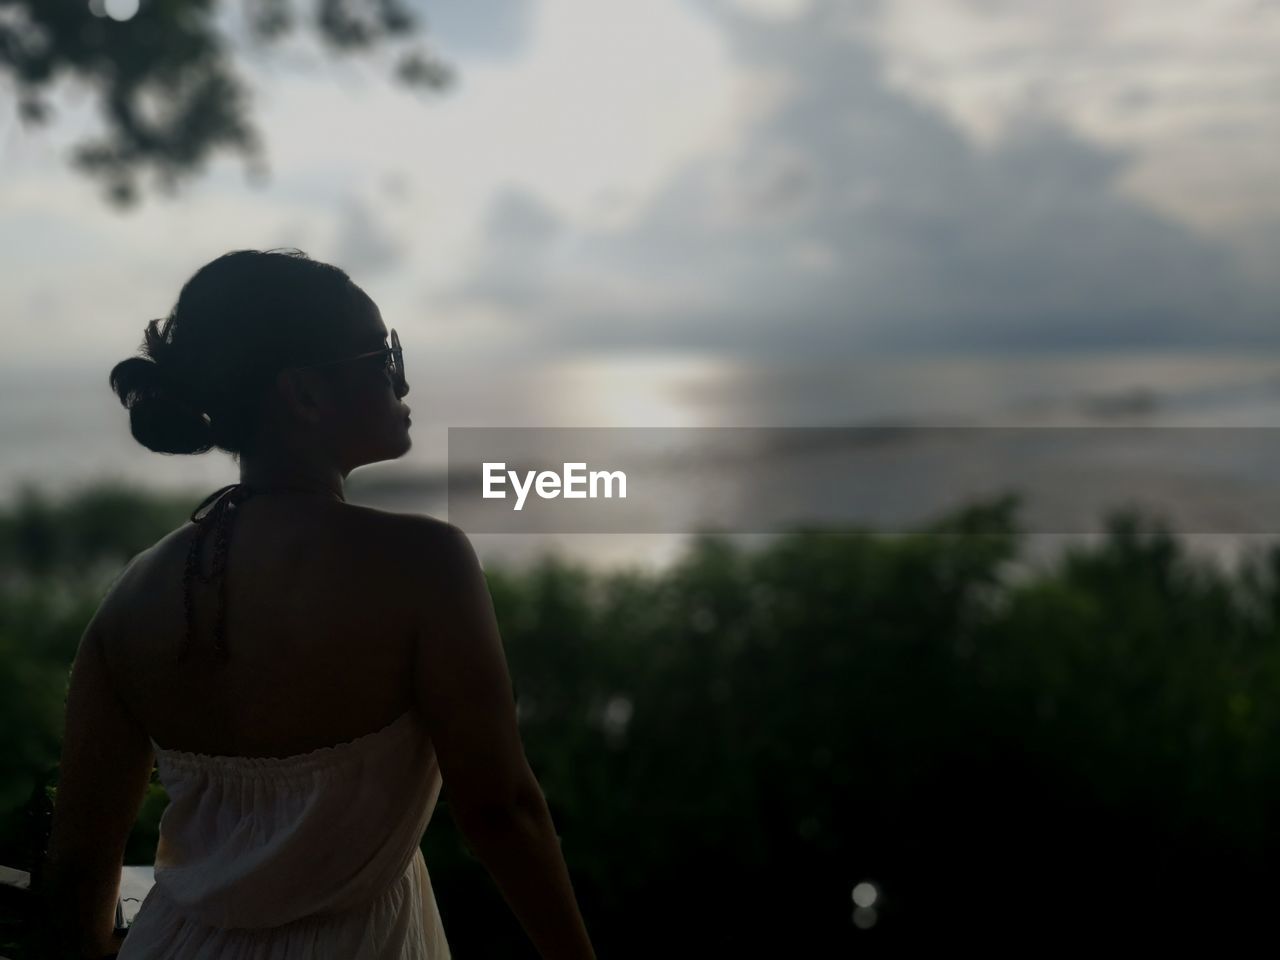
x,y
305,686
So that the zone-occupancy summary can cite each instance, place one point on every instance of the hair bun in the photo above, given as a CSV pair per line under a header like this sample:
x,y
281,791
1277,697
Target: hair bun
x,y
168,380
163,416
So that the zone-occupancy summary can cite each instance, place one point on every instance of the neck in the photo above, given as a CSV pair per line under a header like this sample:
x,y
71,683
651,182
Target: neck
x,y
294,480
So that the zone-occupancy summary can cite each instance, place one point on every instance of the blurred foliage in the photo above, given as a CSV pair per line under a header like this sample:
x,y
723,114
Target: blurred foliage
x,y
165,80
730,745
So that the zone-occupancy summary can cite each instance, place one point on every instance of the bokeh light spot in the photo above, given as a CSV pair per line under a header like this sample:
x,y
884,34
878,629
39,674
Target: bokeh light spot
x,y
120,9
865,894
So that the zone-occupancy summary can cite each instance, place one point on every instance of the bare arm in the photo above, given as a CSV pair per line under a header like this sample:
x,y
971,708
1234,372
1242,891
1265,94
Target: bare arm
x,y
106,764
464,690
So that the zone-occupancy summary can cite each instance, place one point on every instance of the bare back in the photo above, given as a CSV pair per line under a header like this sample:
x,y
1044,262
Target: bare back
x,y
339,621
319,628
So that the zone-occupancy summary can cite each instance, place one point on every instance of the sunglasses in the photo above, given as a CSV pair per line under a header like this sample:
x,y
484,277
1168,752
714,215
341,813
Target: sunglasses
x,y
394,359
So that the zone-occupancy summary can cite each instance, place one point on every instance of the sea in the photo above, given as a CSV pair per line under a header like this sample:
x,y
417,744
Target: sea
x,y
61,428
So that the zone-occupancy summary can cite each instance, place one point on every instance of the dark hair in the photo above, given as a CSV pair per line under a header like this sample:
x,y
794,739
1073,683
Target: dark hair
x,y
207,366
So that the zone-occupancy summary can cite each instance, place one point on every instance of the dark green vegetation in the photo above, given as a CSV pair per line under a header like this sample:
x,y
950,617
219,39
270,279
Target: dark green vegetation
x,y
730,746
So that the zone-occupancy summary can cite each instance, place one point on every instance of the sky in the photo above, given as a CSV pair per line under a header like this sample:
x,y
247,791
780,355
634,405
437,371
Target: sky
x,y
715,211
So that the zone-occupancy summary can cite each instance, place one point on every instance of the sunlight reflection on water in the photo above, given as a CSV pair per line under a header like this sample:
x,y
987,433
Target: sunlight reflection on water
x,y
62,428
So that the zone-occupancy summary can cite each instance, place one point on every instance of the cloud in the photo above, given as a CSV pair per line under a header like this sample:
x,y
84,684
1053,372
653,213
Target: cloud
x,y
854,217
736,176
1190,90
587,106
517,241
773,9
469,31
365,245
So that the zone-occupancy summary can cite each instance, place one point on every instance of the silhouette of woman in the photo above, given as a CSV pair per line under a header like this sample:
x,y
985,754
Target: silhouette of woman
x,y
316,689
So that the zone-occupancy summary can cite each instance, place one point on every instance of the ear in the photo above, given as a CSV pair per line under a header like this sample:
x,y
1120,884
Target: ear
x,y
304,393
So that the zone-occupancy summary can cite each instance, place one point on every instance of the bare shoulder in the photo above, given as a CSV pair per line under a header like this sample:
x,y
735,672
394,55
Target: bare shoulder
x,y
409,531
423,546
118,598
